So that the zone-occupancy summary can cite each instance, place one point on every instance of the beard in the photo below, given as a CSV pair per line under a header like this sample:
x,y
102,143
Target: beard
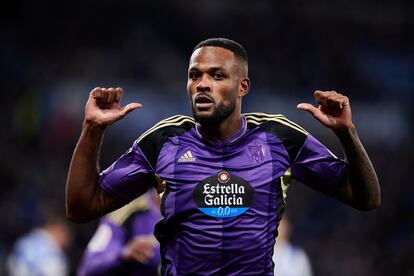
x,y
220,113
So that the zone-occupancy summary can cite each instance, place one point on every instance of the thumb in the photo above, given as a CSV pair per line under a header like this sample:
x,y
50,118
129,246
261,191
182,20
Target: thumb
x,y
130,107
308,107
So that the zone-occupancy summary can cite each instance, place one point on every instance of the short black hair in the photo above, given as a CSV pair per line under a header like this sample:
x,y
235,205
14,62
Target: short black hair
x,y
231,45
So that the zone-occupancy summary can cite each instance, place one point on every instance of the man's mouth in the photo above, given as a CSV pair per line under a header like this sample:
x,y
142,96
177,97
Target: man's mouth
x,y
203,101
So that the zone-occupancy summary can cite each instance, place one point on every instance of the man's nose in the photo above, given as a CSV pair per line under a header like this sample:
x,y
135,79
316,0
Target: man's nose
x,y
203,84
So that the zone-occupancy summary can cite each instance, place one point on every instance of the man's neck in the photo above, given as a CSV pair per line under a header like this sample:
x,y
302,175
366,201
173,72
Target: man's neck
x,y
225,129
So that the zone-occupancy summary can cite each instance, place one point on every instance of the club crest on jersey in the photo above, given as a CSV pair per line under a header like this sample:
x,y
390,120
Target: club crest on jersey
x,y
223,195
257,151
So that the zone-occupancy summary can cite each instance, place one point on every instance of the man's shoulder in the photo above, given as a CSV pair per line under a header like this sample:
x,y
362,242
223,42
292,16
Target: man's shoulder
x,y
291,134
152,140
274,123
170,126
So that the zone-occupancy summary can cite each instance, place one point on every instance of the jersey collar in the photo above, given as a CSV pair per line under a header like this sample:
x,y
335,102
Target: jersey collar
x,y
236,136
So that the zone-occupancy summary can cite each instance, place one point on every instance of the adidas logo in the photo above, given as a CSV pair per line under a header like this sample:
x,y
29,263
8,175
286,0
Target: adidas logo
x,y
186,157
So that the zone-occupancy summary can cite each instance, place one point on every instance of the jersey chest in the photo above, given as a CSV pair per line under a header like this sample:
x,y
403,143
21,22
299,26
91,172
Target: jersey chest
x,y
221,180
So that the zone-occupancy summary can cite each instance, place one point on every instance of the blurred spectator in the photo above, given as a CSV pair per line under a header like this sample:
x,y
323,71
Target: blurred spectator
x,y
124,243
41,251
289,260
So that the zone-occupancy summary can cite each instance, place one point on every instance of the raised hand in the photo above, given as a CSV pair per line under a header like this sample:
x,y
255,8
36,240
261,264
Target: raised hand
x,y
334,110
104,106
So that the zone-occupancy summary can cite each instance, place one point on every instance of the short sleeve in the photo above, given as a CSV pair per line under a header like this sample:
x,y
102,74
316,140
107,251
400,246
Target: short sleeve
x,y
128,177
317,167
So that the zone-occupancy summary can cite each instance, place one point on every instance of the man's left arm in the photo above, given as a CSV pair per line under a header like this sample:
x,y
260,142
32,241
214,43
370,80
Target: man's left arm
x,y
361,188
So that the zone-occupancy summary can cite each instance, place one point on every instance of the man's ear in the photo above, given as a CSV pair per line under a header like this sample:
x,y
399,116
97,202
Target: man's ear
x,y
244,87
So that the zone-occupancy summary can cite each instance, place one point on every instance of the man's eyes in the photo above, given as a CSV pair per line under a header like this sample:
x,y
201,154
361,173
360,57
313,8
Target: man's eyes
x,y
193,75
219,76
196,75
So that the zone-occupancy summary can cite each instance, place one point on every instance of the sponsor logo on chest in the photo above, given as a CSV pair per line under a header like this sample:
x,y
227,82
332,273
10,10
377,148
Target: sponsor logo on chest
x,y
223,195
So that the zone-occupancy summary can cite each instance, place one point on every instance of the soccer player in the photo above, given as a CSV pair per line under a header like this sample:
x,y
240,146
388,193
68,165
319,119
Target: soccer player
x,y
124,243
223,175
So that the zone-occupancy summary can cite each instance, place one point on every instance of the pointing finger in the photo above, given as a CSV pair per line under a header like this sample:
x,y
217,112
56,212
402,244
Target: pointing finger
x,y
307,107
130,107
316,112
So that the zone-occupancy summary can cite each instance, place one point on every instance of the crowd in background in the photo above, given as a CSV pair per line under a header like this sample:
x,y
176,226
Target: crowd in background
x,y
53,53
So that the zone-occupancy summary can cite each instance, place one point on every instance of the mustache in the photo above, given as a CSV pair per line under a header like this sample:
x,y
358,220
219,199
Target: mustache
x,y
202,97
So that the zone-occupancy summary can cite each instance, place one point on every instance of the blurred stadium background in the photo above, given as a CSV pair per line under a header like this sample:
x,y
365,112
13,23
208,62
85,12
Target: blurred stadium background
x,y
53,53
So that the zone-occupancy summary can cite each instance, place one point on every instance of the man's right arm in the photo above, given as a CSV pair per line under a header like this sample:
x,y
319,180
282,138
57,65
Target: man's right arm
x,y
85,200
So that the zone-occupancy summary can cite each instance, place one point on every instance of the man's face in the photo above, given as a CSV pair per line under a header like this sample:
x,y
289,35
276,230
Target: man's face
x,y
213,84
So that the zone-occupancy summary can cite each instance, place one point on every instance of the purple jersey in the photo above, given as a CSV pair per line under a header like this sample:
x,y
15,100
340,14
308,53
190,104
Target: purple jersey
x,y
222,201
